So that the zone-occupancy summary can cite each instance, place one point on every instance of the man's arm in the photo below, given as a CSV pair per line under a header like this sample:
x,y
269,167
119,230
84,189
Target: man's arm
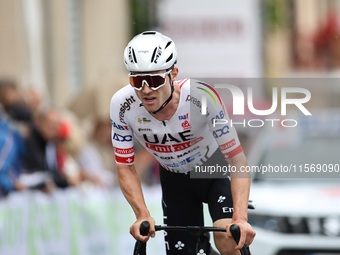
x,y
131,187
240,188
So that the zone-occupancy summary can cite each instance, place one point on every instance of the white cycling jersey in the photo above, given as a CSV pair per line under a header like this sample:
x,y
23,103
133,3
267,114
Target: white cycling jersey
x,y
188,139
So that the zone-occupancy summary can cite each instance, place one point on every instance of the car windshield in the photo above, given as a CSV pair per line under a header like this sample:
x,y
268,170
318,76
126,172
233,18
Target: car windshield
x,y
310,154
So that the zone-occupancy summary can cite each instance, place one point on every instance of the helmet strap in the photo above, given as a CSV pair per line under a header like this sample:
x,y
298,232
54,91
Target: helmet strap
x,y
169,99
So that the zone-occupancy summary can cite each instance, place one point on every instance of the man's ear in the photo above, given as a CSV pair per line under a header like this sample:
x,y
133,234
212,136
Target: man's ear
x,y
174,73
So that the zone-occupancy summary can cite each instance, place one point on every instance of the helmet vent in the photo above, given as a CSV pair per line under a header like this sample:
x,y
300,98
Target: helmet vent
x,y
153,55
169,58
168,44
134,56
149,33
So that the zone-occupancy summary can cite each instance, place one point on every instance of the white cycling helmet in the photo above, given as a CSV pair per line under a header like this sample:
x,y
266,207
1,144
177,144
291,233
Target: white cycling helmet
x,y
150,51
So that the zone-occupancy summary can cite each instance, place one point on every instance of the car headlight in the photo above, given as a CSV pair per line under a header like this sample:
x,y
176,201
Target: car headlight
x,y
329,226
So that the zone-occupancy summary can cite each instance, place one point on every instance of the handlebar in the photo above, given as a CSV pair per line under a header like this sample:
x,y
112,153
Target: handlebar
x,y
140,247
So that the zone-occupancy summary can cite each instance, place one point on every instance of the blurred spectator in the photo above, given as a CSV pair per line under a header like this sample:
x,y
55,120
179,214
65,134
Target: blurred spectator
x,y
12,101
327,43
96,157
33,100
320,50
11,150
69,145
41,150
69,168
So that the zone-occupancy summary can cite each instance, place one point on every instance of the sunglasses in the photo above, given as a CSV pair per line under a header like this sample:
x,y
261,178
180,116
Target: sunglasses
x,y
154,81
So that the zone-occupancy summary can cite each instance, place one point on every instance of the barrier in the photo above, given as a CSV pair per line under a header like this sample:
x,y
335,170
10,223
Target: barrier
x,y
78,221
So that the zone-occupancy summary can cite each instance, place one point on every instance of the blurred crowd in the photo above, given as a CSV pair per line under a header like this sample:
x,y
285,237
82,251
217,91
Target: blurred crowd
x,y
319,50
45,148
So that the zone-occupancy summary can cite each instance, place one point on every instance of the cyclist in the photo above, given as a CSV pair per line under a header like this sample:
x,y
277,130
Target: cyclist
x,y
169,120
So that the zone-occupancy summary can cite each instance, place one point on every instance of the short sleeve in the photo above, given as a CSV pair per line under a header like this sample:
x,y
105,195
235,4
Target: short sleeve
x,y
219,122
121,132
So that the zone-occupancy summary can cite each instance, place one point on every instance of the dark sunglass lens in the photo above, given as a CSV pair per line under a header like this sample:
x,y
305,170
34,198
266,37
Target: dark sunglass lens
x,y
157,81
136,82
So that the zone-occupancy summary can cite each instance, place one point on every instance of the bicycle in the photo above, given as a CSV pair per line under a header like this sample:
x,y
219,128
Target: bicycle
x,y
203,245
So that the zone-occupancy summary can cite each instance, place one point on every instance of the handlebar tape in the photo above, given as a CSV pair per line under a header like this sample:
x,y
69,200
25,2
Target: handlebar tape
x,y
235,232
144,228
140,247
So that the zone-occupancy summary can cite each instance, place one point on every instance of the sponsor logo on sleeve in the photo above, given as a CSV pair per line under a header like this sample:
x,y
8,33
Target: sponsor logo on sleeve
x,y
126,106
120,127
222,131
183,117
124,151
122,138
228,145
218,116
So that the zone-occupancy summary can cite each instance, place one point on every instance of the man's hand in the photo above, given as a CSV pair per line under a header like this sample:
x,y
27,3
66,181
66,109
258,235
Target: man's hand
x,y
247,233
135,229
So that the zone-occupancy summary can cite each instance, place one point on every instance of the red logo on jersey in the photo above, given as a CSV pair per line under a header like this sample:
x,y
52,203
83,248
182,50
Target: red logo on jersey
x,y
228,145
124,160
186,125
159,148
123,151
186,145
176,147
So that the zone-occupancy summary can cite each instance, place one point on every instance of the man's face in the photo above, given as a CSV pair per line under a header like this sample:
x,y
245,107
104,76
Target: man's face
x,y
153,99
49,125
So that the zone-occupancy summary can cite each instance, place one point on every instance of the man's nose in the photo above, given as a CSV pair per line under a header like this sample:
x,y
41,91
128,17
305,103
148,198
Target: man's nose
x,y
146,89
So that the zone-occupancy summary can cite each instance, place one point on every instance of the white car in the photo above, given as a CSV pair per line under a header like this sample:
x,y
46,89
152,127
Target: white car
x,y
298,208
